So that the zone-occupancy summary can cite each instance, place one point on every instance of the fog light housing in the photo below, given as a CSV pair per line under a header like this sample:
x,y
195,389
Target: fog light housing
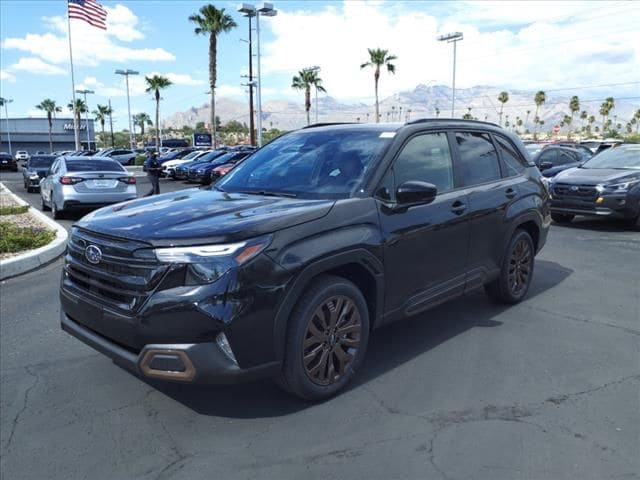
x,y
600,200
223,344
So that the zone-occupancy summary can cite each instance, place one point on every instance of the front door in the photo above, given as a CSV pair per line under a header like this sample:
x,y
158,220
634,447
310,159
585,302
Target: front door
x,y
425,247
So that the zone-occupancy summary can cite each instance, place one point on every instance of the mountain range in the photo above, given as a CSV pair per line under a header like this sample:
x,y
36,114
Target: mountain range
x,y
420,102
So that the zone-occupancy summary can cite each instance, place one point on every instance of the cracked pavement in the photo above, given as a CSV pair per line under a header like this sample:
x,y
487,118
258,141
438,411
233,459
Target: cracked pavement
x,y
548,389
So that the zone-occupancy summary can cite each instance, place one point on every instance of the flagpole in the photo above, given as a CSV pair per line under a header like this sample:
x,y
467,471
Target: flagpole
x,y
73,86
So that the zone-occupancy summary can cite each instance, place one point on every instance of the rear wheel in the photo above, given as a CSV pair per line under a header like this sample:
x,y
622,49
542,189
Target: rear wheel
x,y
327,339
43,205
516,272
55,212
562,217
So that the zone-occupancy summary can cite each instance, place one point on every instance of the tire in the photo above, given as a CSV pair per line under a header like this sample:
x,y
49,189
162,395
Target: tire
x,y
57,214
562,217
29,190
516,272
43,206
318,379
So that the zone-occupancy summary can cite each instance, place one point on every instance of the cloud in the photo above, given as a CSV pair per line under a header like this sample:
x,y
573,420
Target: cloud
x,y
7,76
36,66
231,91
524,47
91,46
180,78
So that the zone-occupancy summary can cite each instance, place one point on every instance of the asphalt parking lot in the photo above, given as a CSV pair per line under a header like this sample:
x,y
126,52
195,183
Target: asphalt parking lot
x,y
547,389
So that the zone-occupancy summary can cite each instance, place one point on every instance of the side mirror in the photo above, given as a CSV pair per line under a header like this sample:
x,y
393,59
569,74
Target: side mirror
x,y
416,193
545,165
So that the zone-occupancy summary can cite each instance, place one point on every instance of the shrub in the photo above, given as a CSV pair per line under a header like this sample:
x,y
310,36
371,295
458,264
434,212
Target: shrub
x,y
14,210
140,159
16,239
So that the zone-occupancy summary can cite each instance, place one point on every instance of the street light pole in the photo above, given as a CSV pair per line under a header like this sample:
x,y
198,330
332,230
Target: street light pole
x,y
5,102
452,38
86,115
126,74
111,123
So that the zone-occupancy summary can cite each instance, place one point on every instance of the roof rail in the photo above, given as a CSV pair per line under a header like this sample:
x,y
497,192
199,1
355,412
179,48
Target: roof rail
x,y
326,124
461,120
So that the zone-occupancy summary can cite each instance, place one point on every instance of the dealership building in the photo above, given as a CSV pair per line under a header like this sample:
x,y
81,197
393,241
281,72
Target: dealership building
x,y
32,134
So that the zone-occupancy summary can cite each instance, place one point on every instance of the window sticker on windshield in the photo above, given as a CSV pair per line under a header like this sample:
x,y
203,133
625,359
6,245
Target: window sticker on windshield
x,y
387,134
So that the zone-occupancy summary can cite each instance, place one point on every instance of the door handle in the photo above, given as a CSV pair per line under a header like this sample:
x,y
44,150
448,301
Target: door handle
x,y
458,207
510,193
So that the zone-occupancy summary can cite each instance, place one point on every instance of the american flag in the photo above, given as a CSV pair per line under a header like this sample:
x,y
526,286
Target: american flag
x,y
90,11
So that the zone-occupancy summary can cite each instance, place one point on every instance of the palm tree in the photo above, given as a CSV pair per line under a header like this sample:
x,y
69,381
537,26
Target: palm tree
x,y
212,21
502,98
437,112
468,116
304,81
603,112
155,84
141,119
377,58
583,116
101,113
567,121
79,108
51,108
526,122
540,97
636,115
574,105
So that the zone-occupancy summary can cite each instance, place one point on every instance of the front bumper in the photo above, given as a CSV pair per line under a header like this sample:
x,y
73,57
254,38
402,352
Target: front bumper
x,y
619,206
197,363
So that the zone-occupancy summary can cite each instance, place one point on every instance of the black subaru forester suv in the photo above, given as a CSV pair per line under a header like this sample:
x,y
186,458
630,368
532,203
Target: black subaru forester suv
x,y
284,266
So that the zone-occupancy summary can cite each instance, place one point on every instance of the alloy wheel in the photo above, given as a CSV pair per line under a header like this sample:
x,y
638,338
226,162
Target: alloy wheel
x,y
331,340
520,267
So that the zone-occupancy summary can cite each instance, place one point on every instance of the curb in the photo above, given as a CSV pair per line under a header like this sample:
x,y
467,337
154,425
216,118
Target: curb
x,y
33,259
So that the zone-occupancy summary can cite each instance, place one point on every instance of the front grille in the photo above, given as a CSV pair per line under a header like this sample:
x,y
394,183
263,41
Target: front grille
x,y
119,279
586,192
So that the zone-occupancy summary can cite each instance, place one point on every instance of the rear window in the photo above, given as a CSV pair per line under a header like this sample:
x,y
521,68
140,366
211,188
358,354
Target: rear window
x,y
41,162
94,165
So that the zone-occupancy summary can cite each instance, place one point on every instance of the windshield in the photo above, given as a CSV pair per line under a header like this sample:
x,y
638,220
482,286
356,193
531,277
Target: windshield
x,y
309,163
41,162
94,165
627,156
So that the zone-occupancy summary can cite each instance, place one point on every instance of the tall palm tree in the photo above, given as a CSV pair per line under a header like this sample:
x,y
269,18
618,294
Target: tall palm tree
x,y
49,106
610,105
141,119
212,21
101,113
502,98
78,109
540,97
526,122
583,116
603,112
574,105
567,121
155,84
304,81
379,58
636,115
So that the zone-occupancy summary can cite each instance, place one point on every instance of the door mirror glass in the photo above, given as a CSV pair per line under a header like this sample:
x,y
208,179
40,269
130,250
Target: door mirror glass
x,y
415,193
545,165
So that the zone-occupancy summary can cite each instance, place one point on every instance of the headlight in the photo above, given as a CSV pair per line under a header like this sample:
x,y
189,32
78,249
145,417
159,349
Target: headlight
x,y
207,263
623,186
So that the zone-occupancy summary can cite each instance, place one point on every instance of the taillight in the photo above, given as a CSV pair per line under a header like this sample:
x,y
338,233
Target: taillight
x,y
70,180
128,180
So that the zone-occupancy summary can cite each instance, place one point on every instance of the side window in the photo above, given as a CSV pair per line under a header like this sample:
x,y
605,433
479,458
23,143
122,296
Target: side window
x,y
550,156
513,162
54,167
426,158
478,157
565,157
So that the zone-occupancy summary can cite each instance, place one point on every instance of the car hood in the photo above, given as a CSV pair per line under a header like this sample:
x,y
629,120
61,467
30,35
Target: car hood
x,y
199,216
595,176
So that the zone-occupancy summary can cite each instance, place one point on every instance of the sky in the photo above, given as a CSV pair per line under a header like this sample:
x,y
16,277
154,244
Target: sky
x,y
587,48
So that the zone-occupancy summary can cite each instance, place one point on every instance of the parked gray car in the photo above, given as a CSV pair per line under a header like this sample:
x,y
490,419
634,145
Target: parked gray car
x,y
35,170
85,182
125,157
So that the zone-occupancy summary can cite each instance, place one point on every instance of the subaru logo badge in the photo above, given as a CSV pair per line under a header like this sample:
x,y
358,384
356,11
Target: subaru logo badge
x,y
93,254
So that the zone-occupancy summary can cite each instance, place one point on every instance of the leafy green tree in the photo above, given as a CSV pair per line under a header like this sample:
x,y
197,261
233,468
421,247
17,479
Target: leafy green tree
x,y
101,113
78,109
304,81
141,119
502,98
378,58
49,106
212,21
154,85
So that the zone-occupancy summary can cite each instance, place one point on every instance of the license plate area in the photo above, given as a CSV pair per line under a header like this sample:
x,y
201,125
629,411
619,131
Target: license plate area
x,y
102,183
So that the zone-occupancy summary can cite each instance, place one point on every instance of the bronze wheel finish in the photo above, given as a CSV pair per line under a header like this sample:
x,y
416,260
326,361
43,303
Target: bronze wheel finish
x,y
331,340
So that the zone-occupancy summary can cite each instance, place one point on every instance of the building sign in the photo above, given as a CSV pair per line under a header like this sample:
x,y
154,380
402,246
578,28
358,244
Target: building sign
x,y
69,126
202,140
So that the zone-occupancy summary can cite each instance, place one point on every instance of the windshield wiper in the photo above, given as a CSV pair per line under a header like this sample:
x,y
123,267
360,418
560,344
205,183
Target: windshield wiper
x,y
267,193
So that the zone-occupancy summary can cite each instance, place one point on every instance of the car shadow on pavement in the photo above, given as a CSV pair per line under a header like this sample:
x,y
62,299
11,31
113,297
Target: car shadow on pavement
x,y
596,225
389,347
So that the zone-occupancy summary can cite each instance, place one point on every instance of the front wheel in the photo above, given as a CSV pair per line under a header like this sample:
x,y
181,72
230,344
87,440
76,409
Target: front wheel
x,y
327,339
562,217
516,272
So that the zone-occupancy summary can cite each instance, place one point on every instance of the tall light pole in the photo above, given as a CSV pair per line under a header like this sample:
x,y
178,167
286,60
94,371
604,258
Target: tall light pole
x,y
315,69
249,11
86,114
126,74
263,10
4,102
452,38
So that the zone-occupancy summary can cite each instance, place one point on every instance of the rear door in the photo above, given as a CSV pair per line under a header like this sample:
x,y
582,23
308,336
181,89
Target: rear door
x,y
492,189
425,246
